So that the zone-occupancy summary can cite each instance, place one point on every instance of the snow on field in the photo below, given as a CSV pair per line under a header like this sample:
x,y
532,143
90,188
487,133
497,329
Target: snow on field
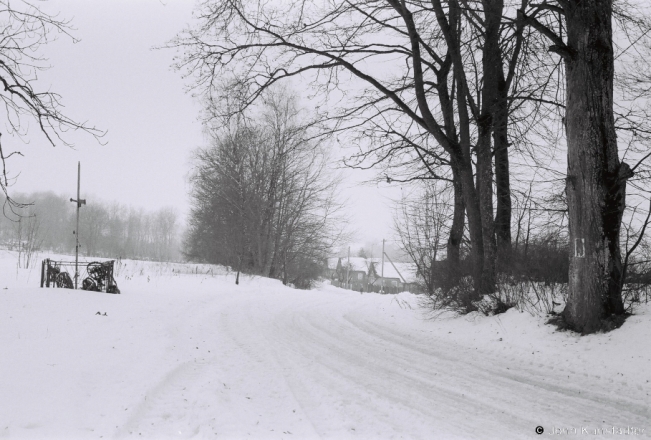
x,y
185,353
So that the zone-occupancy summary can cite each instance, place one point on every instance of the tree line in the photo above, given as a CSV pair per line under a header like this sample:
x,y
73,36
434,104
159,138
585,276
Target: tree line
x,y
482,95
112,230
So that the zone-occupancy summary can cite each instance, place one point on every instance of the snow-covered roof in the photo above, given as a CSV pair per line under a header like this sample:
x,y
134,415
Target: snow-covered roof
x,y
332,262
403,271
356,263
409,272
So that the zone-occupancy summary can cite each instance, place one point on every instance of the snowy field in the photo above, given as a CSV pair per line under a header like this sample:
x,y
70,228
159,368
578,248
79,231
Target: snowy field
x,y
182,353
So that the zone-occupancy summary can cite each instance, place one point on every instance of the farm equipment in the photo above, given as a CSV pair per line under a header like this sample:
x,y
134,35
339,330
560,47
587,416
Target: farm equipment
x,y
98,275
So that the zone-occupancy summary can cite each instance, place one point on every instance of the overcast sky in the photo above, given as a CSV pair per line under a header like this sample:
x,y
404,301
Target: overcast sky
x,y
114,80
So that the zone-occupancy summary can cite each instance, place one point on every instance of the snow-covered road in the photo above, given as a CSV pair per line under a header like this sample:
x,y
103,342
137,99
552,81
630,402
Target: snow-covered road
x,y
192,357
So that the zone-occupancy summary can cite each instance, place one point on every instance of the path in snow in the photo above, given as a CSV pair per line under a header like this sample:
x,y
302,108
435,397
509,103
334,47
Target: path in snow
x,y
264,361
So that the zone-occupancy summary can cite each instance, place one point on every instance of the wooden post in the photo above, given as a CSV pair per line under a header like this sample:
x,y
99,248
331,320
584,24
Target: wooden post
x,y
42,273
77,229
382,283
79,203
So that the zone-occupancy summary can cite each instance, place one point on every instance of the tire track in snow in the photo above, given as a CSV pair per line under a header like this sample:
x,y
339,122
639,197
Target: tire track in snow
x,y
440,374
162,402
323,367
393,386
237,392
561,380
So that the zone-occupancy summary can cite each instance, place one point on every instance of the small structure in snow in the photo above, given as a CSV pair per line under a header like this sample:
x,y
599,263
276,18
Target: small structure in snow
x,y
99,275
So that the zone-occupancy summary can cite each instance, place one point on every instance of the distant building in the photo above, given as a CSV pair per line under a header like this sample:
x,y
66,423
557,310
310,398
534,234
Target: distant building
x,y
398,277
365,275
330,270
353,273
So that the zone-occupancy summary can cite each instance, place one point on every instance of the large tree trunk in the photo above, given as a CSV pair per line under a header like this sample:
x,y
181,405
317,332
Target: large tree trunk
x,y
485,194
502,184
471,201
456,231
493,77
459,213
595,183
495,100
458,148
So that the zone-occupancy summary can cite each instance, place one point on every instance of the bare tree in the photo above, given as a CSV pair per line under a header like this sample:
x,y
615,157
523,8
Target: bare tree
x,y
29,239
93,228
422,222
438,108
165,227
263,200
24,29
443,92
258,48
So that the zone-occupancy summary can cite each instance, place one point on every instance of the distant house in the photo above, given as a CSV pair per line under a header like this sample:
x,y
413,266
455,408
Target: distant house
x,y
352,273
411,279
330,268
387,280
365,275
398,277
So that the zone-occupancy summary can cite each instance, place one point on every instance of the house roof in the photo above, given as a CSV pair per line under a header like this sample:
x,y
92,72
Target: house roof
x,y
356,263
332,262
409,272
402,271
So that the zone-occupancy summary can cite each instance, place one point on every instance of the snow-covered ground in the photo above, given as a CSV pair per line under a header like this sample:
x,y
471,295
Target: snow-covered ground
x,y
185,353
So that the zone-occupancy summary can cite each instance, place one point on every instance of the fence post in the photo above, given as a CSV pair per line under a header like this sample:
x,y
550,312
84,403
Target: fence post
x,y
42,272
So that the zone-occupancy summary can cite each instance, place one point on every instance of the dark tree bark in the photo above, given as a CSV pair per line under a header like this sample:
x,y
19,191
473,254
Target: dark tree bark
x,y
503,85
459,151
456,231
502,182
461,156
485,195
493,121
493,74
473,211
595,178
459,213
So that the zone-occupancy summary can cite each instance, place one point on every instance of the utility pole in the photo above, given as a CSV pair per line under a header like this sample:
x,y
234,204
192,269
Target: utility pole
x,y
382,284
79,202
